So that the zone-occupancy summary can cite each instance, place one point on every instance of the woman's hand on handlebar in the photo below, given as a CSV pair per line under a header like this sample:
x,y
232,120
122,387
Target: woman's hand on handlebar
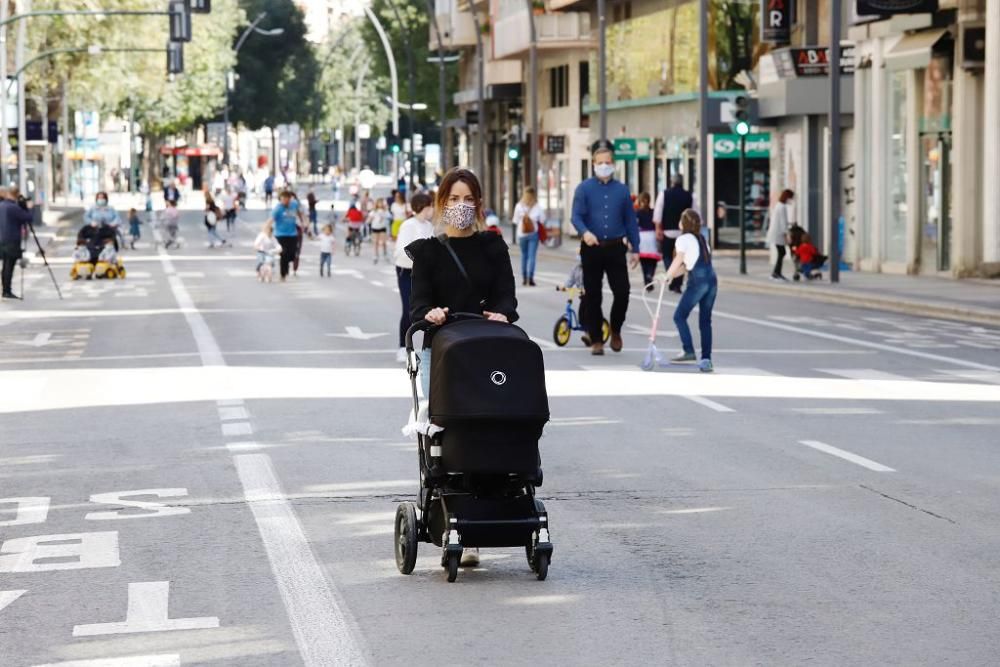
x,y
437,316
495,317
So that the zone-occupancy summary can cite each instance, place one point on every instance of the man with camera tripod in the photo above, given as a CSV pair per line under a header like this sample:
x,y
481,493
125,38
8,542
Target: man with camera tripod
x,y
13,219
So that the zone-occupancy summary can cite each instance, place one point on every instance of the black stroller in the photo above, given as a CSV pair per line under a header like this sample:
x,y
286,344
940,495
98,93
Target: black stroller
x,y
478,446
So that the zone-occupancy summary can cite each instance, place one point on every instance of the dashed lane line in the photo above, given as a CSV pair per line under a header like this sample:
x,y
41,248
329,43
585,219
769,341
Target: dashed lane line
x,y
846,455
709,403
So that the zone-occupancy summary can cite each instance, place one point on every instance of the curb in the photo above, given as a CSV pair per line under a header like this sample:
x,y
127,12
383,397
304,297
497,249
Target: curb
x,y
869,301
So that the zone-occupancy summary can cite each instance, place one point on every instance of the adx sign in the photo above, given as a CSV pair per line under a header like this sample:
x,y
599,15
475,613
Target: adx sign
x,y
889,7
776,21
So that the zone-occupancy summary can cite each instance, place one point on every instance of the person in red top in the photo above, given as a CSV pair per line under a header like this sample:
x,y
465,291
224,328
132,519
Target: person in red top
x,y
809,258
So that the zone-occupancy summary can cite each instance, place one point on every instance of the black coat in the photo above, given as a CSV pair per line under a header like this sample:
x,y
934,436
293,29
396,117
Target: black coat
x,y
676,200
437,281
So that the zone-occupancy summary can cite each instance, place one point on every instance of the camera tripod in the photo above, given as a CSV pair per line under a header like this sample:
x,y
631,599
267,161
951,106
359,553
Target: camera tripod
x,y
41,252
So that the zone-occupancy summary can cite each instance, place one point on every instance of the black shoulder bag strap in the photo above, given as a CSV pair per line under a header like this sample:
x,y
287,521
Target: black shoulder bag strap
x,y
443,240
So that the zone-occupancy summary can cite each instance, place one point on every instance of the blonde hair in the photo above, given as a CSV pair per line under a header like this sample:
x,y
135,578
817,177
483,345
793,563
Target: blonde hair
x,y
529,197
268,227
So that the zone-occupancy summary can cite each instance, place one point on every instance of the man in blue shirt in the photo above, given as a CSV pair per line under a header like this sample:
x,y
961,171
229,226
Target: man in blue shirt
x,y
605,218
13,221
287,216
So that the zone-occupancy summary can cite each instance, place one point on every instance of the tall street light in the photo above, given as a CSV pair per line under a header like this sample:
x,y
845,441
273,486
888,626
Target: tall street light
x,y
394,80
231,76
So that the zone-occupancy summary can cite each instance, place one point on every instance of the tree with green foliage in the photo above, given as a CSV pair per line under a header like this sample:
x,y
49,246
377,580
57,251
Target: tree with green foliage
x,y
277,76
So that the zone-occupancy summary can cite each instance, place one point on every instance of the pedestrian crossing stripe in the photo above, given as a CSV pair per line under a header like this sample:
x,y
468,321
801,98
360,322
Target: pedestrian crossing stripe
x,y
31,390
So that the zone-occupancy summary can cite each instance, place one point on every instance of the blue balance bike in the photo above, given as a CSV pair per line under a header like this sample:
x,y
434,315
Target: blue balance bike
x,y
569,322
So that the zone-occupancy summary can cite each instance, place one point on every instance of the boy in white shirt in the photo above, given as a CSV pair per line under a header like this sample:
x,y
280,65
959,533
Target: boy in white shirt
x,y
419,226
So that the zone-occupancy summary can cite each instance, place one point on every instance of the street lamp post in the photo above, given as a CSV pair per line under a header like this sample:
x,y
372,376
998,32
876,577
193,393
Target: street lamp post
x,y
395,83
533,149
411,88
442,92
231,78
834,166
480,94
602,68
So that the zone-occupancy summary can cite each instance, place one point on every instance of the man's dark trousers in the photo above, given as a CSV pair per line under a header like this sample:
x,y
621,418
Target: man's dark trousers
x,y
10,253
605,258
667,250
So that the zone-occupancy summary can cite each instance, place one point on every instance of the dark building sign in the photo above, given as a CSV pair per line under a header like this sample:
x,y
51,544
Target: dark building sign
x,y
889,7
811,61
776,21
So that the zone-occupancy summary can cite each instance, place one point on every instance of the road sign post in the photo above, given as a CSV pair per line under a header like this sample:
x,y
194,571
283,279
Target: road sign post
x,y
743,206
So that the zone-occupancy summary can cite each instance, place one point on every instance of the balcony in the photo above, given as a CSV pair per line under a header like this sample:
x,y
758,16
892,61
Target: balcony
x,y
569,30
458,30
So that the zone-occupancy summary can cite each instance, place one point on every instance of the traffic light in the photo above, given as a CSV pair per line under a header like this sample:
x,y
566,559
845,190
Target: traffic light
x,y
394,147
514,153
514,146
742,114
180,20
175,57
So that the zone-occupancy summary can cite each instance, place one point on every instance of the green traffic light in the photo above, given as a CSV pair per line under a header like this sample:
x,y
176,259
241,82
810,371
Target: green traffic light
x,y
395,148
513,153
742,128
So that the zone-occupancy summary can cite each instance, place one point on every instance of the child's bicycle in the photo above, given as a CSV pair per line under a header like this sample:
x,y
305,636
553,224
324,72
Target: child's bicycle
x,y
353,241
569,322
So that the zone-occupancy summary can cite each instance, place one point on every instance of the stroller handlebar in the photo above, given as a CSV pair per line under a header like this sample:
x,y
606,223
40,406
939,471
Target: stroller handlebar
x,y
424,325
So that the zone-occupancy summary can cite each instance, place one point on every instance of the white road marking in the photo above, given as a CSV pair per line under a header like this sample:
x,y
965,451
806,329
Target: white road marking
x,y
231,429
37,553
70,388
367,487
39,340
836,411
695,510
191,274
953,421
377,283
27,510
356,333
234,413
149,509
7,598
229,402
847,456
101,312
708,403
736,370
543,343
863,374
857,341
319,622
159,660
148,611
324,630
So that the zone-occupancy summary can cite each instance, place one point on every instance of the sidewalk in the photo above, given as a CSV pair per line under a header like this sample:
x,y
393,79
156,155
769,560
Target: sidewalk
x,y
974,300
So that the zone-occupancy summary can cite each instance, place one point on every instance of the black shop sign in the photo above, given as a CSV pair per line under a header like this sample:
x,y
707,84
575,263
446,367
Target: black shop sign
x,y
776,21
890,7
555,144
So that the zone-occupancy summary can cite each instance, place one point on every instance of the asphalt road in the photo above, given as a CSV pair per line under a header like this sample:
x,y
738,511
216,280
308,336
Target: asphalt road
x,y
198,469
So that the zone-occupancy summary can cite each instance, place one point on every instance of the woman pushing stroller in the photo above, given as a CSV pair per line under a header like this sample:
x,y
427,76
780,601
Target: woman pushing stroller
x,y
463,270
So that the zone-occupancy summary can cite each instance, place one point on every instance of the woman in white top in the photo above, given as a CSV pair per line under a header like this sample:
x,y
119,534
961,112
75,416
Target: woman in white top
x,y
777,231
528,217
693,257
398,210
378,220
417,227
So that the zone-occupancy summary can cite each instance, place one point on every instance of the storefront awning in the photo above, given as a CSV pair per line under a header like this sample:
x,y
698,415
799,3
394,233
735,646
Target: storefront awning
x,y
914,50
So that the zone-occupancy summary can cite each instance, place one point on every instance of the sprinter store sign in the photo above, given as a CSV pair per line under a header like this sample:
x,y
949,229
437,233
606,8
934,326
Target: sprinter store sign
x,y
776,21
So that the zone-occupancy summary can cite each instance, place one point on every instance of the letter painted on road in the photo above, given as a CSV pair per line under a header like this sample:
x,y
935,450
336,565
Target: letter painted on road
x,y
30,509
70,551
151,509
148,603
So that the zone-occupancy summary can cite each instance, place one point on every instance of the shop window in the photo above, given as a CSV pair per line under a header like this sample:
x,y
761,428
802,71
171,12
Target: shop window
x,y
559,86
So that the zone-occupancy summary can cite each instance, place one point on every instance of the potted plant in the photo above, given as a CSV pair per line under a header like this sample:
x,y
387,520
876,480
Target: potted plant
x,y
538,7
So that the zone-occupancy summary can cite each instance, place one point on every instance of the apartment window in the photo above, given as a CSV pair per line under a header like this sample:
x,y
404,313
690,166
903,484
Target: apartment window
x,y
559,86
621,11
584,81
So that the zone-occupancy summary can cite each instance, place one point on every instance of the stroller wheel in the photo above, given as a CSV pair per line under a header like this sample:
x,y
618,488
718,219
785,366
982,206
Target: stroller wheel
x,y
452,563
542,565
406,537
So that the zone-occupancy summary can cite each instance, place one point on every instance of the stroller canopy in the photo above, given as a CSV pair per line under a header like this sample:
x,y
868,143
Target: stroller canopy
x,y
486,370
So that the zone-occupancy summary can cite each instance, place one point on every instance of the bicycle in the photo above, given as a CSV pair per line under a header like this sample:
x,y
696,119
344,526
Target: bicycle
x,y
570,322
353,242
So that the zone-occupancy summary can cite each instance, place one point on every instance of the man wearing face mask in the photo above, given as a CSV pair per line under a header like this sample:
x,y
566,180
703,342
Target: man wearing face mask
x,y
605,218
